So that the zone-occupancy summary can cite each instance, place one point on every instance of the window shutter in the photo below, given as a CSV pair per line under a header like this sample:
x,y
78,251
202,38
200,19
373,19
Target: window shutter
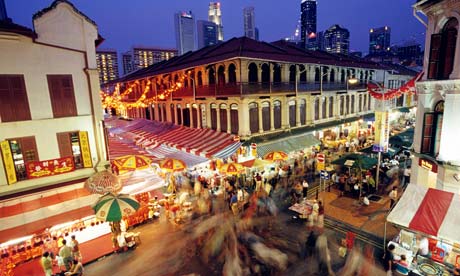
x,y
6,112
55,96
435,47
29,149
427,133
68,95
20,103
65,147
451,41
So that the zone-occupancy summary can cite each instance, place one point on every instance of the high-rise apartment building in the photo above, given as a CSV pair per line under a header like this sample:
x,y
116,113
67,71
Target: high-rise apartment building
x,y
141,56
379,40
249,22
308,24
215,16
107,65
184,24
337,40
3,15
320,41
207,33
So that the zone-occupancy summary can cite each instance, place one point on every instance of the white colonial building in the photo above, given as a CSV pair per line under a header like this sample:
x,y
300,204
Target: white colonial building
x,y
436,141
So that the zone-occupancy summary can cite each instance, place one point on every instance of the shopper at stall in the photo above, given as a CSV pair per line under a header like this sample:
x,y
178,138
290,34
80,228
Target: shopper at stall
x,y
66,254
305,188
388,262
76,254
76,270
47,264
423,245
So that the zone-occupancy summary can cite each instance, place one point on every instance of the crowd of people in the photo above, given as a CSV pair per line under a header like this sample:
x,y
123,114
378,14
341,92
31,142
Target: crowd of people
x,y
68,259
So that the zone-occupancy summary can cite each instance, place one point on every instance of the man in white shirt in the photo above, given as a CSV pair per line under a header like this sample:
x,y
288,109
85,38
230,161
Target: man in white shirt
x,y
407,172
305,188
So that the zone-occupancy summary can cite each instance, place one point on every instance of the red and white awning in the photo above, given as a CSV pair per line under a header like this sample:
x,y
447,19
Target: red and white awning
x,y
430,211
22,216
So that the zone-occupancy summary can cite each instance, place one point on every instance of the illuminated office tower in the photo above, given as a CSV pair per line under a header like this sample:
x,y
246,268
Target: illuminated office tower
x,y
215,16
308,24
107,65
184,24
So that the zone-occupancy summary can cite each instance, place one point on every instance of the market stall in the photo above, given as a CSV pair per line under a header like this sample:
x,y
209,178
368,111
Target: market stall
x,y
430,214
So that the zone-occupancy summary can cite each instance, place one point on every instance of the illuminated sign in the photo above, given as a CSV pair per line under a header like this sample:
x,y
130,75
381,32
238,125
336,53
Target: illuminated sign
x,y
36,169
427,164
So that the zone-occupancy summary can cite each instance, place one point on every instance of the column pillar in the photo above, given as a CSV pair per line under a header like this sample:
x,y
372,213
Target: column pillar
x,y
228,120
192,123
198,117
243,119
218,118
272,117
285,114
261,128
297,112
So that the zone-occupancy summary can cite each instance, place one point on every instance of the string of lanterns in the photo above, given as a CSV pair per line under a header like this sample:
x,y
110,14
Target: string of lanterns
x,y
408,88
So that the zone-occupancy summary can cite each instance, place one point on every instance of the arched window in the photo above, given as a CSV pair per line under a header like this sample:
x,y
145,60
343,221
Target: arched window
x,y
186,115
292,113
234,124
352,103
342,105
347,105
277,114
254,117
332,76
324,74
253,73
342,76
200,78
324,108
213,108
316,108
179,114
303,74
331,106
361,76
202,115
164,112
265,73
211,75
265,116
292,73
192,78
173,113
360,103
221,75
195,116
276,73
232,74
442,51
303,112
431,132
223,117
317,72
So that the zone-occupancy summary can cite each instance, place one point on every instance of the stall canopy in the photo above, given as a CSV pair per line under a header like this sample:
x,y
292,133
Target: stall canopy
x,y
34,213
289,144
430,211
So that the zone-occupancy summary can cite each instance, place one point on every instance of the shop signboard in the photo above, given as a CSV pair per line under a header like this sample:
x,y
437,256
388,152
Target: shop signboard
x,y
8,162
428,164
85,151
382,131
37,169
320,165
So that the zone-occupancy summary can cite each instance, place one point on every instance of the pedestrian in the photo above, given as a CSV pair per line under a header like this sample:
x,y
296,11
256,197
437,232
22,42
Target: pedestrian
x,y
347,146
47,264
66,254
320,215
305,188
76,254
310,244
407,172
393,196
388,262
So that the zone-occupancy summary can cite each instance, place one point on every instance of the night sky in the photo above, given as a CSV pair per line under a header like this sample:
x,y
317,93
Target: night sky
x,y
150,22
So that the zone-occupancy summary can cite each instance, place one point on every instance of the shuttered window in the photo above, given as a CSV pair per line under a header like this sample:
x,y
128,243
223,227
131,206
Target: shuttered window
x,y
14,105
427,134
435,48
62,95
69,146
450,42
23,149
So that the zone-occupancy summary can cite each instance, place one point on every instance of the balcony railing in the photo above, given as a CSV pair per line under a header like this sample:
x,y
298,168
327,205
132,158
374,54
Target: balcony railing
x,y
258,88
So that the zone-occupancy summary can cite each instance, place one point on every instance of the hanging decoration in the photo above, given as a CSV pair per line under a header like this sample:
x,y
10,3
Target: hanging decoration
x,y
409,88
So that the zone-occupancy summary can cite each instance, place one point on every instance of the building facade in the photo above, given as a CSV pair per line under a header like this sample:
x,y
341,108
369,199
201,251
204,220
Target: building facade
x,y
142,56
336,40
379,40
184,24
107,65
215,16
252,89
437,156
207,33
249,22
308,24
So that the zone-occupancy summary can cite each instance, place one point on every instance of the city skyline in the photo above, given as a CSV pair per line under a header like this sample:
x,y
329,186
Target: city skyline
x,y
125,25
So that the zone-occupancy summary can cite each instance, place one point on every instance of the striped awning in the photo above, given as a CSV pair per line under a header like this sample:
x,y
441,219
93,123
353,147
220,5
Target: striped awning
x,y
34,213
430,211
120,147
290,144
163,151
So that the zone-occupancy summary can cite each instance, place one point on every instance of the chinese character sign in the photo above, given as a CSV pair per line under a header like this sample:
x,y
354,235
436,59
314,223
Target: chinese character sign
x,y
36,169
85,151
8,162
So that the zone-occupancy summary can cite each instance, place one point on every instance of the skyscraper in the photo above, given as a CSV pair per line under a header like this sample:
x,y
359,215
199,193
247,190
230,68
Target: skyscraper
x,y
207,33
308,24
379,40
337,40
3,15
141,56
184,24
215,16
107,65
249,22
127,59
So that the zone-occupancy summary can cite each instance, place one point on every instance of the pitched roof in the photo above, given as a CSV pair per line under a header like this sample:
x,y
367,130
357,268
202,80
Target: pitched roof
x,y
10,27
244,47
55,4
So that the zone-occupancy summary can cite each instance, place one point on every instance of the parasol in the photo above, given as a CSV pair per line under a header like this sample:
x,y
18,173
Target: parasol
x,y
103,182
231,169
112,207
132,162
172,165
276,156
356,161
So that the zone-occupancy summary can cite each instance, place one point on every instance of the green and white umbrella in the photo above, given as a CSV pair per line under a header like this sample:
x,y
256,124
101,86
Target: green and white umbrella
x,y
112,207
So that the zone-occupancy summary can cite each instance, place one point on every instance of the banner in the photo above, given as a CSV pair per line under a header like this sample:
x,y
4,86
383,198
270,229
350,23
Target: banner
x,y
8,162
382,131
85,151
36,169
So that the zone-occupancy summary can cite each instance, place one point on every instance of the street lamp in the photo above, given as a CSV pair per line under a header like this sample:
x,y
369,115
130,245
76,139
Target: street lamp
x,y
351,81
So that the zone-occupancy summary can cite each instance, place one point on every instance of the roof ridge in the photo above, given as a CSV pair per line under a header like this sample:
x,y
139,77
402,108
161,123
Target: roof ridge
x,y
55,4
